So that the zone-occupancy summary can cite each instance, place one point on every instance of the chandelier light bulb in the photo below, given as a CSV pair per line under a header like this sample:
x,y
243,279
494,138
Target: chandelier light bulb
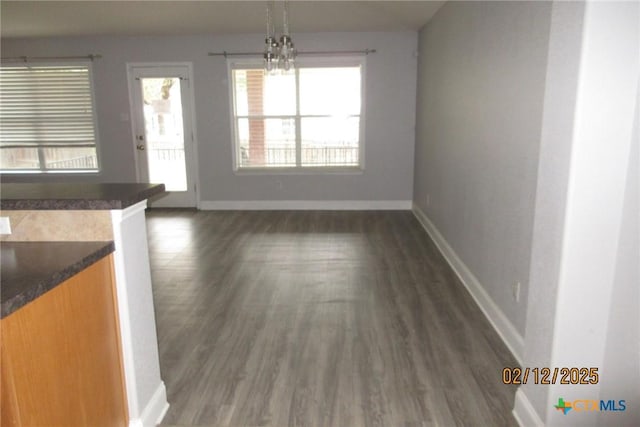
x,y
278,54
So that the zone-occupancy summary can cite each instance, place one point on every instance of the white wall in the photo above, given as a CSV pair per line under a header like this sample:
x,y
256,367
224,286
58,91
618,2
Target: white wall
x,y
480,93
621,363
390,112
583,309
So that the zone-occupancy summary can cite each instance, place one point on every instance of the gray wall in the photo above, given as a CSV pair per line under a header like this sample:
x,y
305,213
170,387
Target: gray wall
x,y
389,108
479,110
556,141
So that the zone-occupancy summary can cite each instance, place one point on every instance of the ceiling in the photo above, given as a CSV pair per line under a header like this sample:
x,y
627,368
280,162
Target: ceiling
x,y
133,18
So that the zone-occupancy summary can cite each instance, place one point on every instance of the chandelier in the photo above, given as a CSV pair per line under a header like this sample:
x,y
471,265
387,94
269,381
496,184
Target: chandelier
x,y
278,54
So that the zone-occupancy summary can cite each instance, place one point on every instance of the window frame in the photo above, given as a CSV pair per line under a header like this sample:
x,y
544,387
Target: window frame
x,y
298,169
74,172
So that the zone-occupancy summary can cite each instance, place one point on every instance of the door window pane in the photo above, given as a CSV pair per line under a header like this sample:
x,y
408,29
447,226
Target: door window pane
x,y
164,132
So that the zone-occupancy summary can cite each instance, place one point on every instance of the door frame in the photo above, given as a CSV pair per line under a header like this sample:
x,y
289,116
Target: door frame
x,y
193,161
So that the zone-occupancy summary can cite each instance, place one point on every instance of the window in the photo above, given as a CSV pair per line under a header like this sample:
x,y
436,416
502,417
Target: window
x,y
309,117
47,121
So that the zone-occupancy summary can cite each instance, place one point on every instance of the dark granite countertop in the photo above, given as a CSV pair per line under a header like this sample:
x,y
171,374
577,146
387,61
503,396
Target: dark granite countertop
x,y
74,196
29,269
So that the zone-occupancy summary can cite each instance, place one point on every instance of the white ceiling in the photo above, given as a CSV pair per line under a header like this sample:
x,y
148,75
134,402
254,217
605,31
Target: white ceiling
x,y
82,18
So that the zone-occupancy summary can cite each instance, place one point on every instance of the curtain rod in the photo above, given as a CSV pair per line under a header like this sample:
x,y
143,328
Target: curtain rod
x,y
46,58
311,52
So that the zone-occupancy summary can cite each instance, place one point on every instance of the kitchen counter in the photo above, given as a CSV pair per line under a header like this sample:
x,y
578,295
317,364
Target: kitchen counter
x,y
30,269
80,213
68,196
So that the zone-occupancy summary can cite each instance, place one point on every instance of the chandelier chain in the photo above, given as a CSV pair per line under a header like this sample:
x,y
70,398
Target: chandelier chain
x,y
285,18
270,21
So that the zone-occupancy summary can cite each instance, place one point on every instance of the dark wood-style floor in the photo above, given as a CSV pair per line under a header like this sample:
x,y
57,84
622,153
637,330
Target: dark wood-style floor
x,y
318,319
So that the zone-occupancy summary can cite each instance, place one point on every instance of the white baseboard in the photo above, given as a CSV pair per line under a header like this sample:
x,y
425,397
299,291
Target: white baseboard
x,y
154,411
523,411
337,205
496,317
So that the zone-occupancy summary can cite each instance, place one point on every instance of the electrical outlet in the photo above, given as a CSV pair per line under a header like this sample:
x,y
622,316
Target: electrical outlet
x,y
516,291
5,225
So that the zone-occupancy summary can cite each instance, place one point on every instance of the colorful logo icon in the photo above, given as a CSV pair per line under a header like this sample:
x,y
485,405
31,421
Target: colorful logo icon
x,y
563,406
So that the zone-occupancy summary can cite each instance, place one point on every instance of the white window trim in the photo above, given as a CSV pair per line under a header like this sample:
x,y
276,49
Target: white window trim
x,y
313,61
73,172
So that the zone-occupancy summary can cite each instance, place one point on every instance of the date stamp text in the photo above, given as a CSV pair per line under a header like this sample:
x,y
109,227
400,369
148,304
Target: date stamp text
x,y
550,375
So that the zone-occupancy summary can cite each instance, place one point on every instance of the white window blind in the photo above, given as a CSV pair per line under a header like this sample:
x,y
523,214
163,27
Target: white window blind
x,y
47,118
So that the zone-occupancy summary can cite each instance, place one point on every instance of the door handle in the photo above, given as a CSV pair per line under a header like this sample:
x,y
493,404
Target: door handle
x,y
140,147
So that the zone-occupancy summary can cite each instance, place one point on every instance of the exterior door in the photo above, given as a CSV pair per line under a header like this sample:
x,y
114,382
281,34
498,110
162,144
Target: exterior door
x,y
164,141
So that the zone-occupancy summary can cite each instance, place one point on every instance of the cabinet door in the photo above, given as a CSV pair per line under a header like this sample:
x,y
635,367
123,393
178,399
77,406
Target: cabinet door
x,y
61,362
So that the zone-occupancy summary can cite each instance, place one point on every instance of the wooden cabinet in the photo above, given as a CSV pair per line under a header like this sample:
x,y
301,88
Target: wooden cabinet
x,y
61,358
